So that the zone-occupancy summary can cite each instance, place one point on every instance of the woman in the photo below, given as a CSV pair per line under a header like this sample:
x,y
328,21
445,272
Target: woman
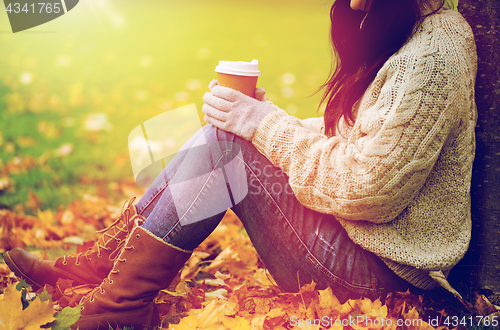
x,y
373,197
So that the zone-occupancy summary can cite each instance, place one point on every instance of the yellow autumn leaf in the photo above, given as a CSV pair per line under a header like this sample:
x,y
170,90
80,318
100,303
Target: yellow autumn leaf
x,y
307,324
336,326
328,303
47,217
374,309
263,278
210,317
192,268
188,323
8,306
236,323
347,307
5,183
13,317
38,313
414,322
258,322
221,259
217,294
221,276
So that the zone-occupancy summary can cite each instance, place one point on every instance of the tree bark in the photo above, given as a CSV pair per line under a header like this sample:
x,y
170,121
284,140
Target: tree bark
x,y
481,265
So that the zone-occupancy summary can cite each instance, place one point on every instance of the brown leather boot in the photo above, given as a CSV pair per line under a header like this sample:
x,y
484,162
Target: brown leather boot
x,y
145,266
83,268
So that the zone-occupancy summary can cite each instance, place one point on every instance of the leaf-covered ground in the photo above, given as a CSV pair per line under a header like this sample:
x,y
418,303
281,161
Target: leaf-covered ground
x,y
224,285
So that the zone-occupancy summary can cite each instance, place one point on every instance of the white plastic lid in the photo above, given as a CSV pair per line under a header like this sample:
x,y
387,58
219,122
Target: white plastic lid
x,y
239,68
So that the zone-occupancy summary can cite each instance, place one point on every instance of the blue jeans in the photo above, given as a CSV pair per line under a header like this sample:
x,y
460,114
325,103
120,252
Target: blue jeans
x,y
217,170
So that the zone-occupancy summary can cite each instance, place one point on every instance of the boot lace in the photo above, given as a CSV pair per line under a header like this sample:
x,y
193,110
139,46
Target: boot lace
x,y
124,214
110,281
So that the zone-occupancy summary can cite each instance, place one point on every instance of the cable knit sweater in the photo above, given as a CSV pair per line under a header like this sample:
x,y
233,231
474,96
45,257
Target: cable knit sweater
x,y
398,180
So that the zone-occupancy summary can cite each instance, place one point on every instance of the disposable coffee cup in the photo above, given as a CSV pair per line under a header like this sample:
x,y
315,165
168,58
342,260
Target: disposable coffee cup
x,y
238,75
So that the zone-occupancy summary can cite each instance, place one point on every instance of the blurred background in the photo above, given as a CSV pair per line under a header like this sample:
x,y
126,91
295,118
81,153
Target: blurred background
x,y
72,90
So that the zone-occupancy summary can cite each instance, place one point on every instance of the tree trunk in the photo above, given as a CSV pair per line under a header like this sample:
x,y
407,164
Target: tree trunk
x,y
481,265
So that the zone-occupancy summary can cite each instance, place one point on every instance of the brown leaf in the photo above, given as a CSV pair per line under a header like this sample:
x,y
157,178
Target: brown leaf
x,y
483,307
7,276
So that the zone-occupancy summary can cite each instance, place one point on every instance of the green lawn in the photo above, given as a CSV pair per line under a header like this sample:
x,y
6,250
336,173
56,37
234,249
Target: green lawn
x,y
122,62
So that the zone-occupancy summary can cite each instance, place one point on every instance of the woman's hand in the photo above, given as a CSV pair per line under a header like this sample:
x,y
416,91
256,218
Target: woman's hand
x,y
236,112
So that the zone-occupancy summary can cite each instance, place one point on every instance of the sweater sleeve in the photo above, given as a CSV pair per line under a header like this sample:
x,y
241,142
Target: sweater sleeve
x,y
316,124
403,121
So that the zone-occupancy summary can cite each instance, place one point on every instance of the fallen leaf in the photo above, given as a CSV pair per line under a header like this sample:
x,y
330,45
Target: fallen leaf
x,y
73,240
483,307
66,318
12,315
5,183
64,150
220,294
190,322
236,323
210,317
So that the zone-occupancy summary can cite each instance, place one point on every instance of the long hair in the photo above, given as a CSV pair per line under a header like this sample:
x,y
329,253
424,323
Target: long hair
x,y
362,43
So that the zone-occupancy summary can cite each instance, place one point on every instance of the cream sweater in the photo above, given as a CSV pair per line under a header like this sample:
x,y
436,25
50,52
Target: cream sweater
x,y
399,179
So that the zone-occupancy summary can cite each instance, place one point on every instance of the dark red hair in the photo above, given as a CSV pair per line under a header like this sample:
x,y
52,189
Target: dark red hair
x,y
362,43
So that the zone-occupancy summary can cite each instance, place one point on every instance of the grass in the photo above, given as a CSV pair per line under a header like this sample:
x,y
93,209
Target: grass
x,y
129,61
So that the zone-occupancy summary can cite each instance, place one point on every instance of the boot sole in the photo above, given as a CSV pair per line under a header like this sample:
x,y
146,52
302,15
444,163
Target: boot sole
x,y
19,273
145,318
